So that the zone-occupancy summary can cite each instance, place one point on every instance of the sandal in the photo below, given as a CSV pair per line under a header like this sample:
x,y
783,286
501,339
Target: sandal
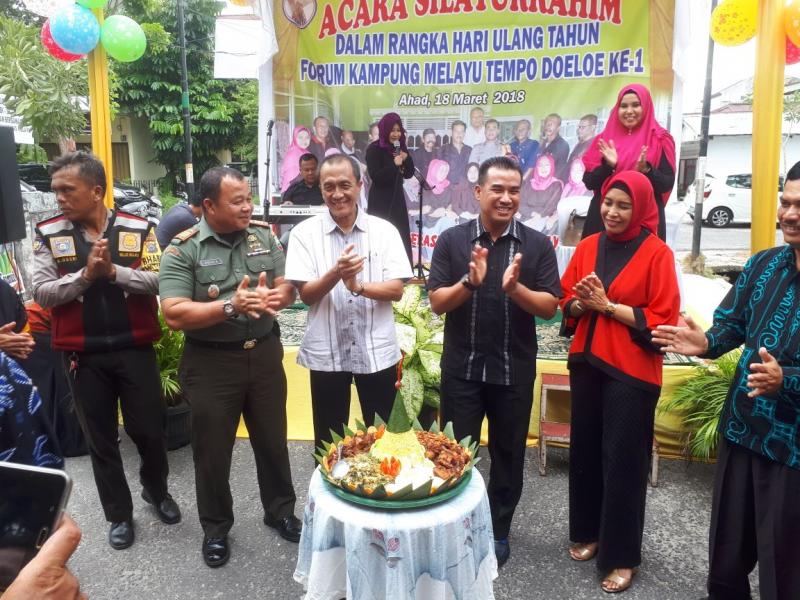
x,y
583,552
622,583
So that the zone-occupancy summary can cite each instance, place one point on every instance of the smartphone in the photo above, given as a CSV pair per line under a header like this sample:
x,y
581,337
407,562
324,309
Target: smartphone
x,y
32,500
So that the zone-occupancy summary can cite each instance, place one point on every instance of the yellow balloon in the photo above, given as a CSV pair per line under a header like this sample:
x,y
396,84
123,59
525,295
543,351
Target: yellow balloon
x,y
734,22
791,21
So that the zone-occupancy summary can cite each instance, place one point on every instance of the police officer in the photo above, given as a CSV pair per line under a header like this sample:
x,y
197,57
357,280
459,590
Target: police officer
x,y
222,283
96,268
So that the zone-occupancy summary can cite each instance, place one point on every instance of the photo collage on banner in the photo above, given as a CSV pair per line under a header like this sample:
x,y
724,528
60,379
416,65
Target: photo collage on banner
x,y
471,79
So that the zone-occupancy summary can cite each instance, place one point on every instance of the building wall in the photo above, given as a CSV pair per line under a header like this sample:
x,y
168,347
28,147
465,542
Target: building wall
x,y
140,148
732,154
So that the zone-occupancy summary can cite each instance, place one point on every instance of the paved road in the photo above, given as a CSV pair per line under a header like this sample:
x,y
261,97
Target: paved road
x,y
736,237
165,562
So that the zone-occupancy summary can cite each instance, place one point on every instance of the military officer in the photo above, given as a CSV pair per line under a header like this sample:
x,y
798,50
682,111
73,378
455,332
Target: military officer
x,y
222,283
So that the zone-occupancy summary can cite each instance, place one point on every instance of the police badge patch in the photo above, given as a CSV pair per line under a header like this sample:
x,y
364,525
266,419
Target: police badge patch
x,y
130,243
63,247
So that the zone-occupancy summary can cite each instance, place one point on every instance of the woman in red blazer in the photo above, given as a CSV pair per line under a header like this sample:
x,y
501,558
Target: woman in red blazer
x,y
619,285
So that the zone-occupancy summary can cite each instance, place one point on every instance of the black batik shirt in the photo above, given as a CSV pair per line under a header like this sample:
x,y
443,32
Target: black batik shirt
x,y
762,309
489,338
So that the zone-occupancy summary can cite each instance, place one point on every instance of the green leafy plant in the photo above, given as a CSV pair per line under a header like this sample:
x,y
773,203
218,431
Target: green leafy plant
x,y
169,350
420,334
700,399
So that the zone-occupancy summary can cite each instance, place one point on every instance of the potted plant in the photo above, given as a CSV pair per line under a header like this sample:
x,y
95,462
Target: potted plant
x,y
169,350
420,334
700,399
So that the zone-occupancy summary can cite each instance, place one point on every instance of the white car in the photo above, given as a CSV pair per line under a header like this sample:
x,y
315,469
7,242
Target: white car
x,y
726,201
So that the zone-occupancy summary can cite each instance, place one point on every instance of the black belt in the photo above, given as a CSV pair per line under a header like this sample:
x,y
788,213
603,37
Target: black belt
x,y
238,345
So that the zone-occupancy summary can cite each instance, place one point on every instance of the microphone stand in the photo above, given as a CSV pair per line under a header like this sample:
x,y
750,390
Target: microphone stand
x,y
419,268
265,202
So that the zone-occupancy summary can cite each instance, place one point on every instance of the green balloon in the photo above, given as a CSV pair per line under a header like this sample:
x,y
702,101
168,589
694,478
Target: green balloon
x,y
123,38
93,3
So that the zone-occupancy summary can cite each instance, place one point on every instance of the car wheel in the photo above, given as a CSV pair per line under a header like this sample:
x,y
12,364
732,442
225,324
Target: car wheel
x,y
719,217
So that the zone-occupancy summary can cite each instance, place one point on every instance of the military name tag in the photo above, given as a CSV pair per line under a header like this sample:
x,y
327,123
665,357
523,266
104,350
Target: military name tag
x,y
258,253
210,262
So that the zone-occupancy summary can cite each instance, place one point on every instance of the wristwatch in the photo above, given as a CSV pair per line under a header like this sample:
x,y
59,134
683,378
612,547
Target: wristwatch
x,y
467,283
610,309
359,291
578,306
228,309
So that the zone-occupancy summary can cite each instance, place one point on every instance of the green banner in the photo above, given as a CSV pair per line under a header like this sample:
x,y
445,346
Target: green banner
x,y
342,64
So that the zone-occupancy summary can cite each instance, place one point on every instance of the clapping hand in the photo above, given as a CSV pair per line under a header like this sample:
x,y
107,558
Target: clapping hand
x,y
16,345
609,152
271,298
247,301
641,164
766,377
511,275
348,266
477,266
98,264
591,292
690,340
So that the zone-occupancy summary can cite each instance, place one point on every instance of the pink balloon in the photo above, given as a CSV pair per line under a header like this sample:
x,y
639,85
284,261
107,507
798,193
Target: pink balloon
x,y
54,49
792,52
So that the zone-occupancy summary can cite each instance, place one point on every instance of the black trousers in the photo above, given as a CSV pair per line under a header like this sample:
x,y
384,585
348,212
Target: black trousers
x,y
221,386
611,442
755,517
330,399
508,410
128,379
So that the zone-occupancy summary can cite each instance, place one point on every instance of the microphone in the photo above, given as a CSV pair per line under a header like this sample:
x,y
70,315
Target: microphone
x,y
270,123
396,145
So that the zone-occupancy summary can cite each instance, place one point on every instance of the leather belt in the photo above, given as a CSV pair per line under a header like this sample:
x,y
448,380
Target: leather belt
x,y
238,345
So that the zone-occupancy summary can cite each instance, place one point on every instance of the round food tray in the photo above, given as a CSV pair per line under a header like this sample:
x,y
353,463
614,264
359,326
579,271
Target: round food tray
x,y
387,504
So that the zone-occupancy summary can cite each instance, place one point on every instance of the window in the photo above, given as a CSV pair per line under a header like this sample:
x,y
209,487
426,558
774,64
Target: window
x,y
739,181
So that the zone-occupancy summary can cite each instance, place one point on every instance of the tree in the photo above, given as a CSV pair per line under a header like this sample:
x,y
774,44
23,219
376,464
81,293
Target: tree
x,y
246,96
41,90
151,86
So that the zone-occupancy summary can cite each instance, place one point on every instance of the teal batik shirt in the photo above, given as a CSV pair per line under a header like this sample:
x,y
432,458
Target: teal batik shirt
x,y
762,309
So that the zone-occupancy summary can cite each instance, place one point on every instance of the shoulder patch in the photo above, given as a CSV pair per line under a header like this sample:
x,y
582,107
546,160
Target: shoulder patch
x,y
255,223
185,234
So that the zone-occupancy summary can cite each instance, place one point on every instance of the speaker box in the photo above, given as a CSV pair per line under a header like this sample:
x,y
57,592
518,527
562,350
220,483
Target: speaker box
x,y
12,217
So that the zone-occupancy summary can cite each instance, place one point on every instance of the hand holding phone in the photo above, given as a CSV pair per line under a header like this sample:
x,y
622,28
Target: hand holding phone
x,y
46,577
31,506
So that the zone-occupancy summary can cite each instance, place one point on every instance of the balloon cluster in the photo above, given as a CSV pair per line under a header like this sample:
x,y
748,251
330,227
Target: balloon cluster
x,y
72,31
733,22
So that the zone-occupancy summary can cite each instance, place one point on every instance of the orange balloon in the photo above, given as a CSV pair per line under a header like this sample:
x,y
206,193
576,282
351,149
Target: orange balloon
x,y
791,21
734,22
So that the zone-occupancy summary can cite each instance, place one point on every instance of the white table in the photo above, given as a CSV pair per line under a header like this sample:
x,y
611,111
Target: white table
x,y
441,552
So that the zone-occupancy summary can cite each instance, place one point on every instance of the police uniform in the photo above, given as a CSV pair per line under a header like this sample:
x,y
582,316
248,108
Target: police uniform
x,y
231,369
105,331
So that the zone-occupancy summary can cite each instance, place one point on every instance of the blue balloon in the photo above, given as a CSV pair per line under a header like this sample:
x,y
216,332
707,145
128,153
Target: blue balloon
x,y
75,29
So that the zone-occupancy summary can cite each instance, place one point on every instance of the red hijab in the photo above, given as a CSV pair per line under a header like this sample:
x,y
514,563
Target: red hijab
x,y
645,212
629,143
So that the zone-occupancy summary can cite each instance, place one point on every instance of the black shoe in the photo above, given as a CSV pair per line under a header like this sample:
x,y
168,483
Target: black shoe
x,y
502,551
167,510
289,527
120,536
216,551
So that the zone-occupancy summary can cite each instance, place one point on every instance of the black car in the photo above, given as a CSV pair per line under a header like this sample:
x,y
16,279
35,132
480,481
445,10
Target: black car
x,y
35,174
38,175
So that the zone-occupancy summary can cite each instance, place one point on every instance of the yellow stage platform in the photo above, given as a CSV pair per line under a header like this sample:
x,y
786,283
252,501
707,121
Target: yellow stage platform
x,y
300,425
